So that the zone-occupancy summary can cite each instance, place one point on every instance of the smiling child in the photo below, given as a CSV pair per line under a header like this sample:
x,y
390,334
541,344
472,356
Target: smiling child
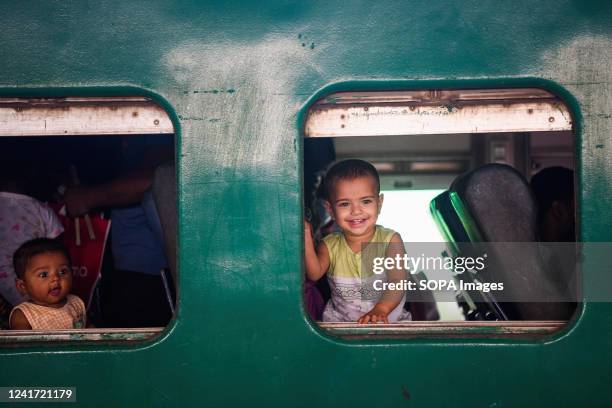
x,y
353,198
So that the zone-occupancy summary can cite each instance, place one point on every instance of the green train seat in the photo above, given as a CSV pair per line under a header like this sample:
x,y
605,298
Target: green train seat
x,y
494,204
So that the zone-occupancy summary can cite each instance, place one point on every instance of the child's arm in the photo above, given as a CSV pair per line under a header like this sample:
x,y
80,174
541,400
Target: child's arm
x,y
19,321
317,262
390,298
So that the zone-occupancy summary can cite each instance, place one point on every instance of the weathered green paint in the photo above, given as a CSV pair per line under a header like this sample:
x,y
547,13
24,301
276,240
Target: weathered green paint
x,y
240,337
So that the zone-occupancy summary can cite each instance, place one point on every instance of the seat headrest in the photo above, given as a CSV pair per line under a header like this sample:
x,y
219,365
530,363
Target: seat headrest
x,y
500,203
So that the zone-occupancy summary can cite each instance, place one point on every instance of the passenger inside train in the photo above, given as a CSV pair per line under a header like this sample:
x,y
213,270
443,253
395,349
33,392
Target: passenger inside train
x,y
554,192
352,197
44,277
99,202
454,169
136,296
97,176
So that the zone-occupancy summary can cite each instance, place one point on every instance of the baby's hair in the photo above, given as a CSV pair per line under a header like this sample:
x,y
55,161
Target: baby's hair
x,y
29,249
348,170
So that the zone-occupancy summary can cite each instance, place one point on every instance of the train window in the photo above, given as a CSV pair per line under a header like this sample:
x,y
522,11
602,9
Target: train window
x,y
470,181
87,219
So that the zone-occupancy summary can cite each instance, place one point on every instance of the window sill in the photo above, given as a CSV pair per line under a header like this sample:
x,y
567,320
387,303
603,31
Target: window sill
x,y
14,337
462,329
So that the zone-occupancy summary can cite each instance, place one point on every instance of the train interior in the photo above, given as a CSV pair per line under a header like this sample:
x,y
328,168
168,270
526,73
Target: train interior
x,y
50,147
436,141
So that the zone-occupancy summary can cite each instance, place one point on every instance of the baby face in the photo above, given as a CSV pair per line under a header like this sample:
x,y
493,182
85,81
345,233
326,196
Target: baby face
x,y
47,279
355,205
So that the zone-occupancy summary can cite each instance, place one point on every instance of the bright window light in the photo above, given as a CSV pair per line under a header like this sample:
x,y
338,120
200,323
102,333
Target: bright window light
x,y
407,212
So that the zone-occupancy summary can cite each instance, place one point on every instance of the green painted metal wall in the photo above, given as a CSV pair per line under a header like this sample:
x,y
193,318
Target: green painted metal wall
x,y
235,77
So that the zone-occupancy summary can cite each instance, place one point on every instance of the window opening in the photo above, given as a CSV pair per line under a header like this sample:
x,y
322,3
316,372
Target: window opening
x,y
422,143
98,175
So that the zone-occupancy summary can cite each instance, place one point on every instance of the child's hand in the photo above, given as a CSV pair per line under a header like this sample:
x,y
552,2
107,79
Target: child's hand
x,y
378,314
315,261
307,229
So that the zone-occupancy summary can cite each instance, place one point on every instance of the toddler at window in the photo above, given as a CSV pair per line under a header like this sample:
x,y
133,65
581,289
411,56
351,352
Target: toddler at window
x,y
44,275
352,189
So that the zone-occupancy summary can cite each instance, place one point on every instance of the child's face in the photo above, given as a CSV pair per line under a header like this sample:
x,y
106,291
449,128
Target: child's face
x,y
355,205
47,279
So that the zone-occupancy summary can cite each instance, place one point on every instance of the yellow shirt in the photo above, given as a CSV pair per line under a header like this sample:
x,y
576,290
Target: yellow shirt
x,y
343,262
351,285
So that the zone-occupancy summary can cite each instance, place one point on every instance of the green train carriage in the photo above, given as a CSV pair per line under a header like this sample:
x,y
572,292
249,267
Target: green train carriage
x,y
238,82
